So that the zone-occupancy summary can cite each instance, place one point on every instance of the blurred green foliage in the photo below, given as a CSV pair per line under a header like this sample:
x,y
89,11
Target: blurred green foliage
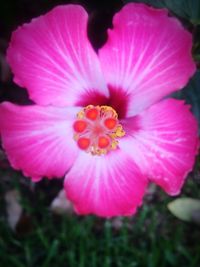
x,y
187,9
152,238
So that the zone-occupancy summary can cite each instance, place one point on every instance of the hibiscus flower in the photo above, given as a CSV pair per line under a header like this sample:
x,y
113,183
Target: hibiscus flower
x,y
102,119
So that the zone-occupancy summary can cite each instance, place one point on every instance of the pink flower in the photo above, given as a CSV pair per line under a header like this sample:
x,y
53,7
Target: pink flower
x,y
101,118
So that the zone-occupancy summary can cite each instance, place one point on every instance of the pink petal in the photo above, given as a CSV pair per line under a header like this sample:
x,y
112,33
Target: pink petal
x,y
163,142
105,185
147,55
38,140
53,59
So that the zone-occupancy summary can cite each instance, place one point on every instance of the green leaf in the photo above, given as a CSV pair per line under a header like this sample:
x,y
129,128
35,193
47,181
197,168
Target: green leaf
x,y
185,208
187,9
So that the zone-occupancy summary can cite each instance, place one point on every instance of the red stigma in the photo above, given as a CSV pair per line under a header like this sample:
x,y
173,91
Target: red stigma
x,y
92,114
103,142
83,143
79,126
110,123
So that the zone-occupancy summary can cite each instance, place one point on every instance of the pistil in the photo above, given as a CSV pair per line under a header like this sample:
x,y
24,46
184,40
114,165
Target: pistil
x,y
97,129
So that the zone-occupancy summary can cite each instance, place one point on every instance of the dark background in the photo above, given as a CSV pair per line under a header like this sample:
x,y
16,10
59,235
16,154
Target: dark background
x,y
14,13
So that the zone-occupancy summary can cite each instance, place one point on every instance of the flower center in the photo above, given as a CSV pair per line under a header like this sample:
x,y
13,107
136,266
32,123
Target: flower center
x,y
97,129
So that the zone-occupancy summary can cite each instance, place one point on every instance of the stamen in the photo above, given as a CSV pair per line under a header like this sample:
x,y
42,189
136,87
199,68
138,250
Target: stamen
x,y
97,129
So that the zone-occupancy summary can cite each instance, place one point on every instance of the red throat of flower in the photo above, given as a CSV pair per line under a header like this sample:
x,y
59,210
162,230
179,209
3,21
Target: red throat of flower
x,y
97,129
